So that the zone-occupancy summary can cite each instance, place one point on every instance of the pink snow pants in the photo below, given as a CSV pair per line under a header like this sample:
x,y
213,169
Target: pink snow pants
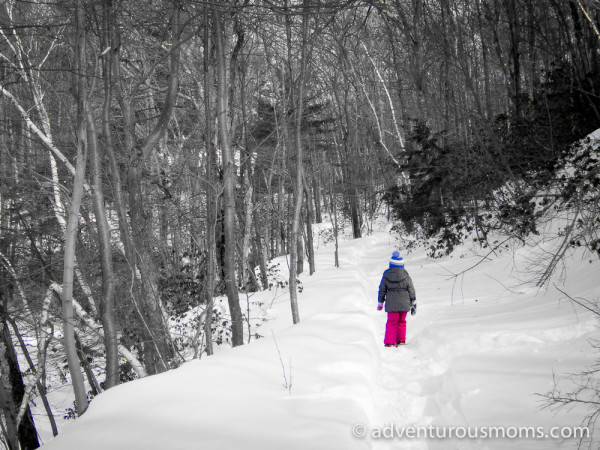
x,y
395,328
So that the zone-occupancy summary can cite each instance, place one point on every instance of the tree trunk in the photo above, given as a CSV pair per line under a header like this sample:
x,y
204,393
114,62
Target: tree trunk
x,y
582,63
333,214
6,404
80,91
158,350
280,242
486,64
211,192
237,325
534,75
107,310
267,221
248,216
309,232
300,246
248,275
515,72
350,191
316,190
19,432
355,213
260,252
493,17
40,372
92,381
295,242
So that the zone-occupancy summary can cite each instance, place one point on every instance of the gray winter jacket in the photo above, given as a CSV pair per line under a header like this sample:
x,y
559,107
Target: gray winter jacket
x,y
396,290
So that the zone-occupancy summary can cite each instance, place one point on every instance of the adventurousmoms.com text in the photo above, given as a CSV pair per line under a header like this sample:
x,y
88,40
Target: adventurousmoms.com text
x,y
488,432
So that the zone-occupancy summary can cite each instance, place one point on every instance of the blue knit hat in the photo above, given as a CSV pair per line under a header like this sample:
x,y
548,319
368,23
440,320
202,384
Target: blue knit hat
x,y
396,260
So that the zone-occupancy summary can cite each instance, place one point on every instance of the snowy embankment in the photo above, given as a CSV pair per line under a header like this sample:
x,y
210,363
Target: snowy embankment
x,y
479,349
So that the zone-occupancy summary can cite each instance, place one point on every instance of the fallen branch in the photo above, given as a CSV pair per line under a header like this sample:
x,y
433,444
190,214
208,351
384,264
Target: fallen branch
x,y
136,365
493,250
580,303
287,384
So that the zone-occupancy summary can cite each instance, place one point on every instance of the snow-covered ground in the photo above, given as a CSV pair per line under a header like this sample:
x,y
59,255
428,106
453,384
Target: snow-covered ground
x,y
480,349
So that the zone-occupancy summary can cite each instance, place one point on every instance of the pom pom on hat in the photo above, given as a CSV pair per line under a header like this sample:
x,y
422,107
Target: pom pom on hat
x,y
396,260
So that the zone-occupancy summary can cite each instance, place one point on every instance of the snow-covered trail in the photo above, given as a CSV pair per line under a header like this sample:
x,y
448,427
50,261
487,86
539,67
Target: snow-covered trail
x,y
411,387
478,350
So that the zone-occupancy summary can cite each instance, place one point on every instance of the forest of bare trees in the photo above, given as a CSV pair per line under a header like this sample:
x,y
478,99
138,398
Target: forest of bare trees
x,y
156,154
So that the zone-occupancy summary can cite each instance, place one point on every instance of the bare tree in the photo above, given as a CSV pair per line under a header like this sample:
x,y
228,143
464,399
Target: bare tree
x,y
104,244
80,92
298,191
158,347
211,185
237,326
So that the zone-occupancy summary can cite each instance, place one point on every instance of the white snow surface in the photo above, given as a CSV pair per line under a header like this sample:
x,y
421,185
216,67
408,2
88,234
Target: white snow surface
x,y
480,349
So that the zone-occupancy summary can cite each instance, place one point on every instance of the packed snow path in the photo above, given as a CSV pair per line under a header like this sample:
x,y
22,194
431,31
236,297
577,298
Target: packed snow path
x,y
479,349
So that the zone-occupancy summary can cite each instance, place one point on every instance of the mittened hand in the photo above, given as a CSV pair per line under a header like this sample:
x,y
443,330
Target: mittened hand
x,y
379,306
413,309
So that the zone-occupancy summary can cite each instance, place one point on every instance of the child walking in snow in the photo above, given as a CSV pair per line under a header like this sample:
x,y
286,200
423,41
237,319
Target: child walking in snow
x,y
396,290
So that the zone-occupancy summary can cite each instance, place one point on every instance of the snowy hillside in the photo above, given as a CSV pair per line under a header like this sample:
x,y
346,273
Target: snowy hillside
x,y
479,350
